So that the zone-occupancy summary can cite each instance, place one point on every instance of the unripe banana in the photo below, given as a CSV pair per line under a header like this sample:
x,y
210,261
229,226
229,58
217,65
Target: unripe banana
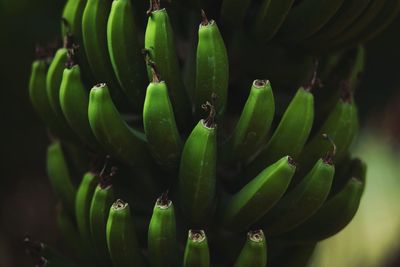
x,y
162,134
197,253
302,202
254,251
341,126
124,50
197,172
159,44
60,175
212,67
74,103
102,200
256,198
333,216
71,26
253,125
307,18
270,17
112,132
291,134
122,242
162,240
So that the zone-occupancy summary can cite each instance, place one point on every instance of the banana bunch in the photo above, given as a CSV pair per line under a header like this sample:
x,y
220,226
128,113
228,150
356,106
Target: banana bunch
x,y
164,153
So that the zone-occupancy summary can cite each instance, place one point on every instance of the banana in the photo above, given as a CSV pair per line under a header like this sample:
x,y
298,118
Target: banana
x,y
254,251
102,200
162,240
332,217
197,253
270,17
290,135
122,242
341,125
112,132
74,103
71,26
302,202
124,50
348,13
212,67
160,128
306,18
82,204
233,13
159,45
94,31
197,172
60,176
254,200
253,125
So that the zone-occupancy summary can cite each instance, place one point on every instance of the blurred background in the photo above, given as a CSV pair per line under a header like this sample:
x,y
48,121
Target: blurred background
x,y
27,203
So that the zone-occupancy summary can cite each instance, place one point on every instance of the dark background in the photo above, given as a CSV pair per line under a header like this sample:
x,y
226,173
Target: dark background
x,y
26,201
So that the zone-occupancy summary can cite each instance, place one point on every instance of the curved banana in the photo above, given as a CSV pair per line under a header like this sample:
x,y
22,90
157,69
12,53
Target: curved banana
x,y
197,172
333,216
303,201
341,126
112,132
212,67
254,251
159,44
74,101
162,240
160,128
253,125
270,17
71,26
60,176
197,253
254,200
306,18
291,134
124,50
102,200
122,241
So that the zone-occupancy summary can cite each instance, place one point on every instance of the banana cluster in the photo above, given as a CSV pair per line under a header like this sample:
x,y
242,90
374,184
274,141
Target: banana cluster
x,y
157,165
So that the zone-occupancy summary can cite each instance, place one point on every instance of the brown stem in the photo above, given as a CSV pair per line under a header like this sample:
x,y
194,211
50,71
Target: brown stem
x,y
154,6
315,81
330,155
204,19
210,108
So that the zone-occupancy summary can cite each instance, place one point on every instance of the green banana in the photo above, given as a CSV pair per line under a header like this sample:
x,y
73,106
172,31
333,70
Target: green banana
x,y
233,13
94,31
212,67
254,200
122,242
124,50
159,44
302,202
71,26
332,217
348,13
160,128
307,18
83,202
341,125
291,134
270,17
197,253
253,125
112,132
60,176
254,251
162,239
197,172
74,101
102,200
